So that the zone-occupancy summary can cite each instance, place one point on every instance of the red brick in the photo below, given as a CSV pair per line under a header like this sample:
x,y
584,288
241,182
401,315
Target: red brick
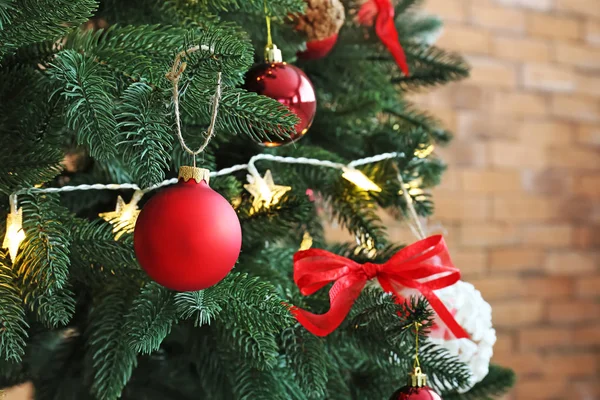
x,y
542,338
497,17
547,181
465,39
505,343
471,262
515,155
589,134
588,286
541,389
488,234
587,336
520,208
586,8
517,313
464,153
580,108
519,104
592,32
585,389
549,78
521,49
532,4
586,237
555,235
447,10
553,27
487,181
573,311
462,208
588,185
571,263
560,365
515,259
497,287
577,55
570,157
588,84
545,132
521,363
476,124
546,287
492,73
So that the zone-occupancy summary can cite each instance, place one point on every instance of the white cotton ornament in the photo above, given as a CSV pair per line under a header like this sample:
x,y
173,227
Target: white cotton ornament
x,y
474,314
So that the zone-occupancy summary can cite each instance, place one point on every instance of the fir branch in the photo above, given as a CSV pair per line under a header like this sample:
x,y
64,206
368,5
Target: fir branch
x,y
406,5
13,325
444,370
52,309
252,384
44,259
241,112
280,8
202,305
113,360
150,318
31,21
256,347
146,140
27,164
431,66
496,383
6,7
86,89
306,355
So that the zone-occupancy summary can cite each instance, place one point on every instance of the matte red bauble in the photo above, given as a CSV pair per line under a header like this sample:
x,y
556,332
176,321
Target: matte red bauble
x,y
415,393
288,85
188,237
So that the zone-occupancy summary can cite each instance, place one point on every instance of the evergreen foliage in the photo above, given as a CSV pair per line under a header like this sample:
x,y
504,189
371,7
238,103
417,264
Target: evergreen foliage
x,y
84,99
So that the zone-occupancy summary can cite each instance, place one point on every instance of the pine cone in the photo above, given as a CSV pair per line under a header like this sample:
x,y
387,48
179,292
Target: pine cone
x,y
323,18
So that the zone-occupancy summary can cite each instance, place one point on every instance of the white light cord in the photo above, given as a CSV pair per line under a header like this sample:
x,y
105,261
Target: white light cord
x,y
250,167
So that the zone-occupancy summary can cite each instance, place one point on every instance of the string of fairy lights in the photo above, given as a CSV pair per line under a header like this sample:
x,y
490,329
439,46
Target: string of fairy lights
x,y
264,191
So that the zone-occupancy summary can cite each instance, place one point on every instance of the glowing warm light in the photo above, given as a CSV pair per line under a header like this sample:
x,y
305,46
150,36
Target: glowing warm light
x,y
422,153
14,233
125,215
264,191
307,241
359,179
414,190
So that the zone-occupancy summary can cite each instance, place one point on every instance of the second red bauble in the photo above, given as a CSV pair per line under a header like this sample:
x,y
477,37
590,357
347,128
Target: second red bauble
x,y
188,237
415,393
290,86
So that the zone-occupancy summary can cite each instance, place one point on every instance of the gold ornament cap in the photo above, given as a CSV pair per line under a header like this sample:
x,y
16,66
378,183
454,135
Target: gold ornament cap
x,y
417,378
273,54
198,174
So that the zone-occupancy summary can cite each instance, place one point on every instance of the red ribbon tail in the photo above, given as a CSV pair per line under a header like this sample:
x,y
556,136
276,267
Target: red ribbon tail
x,y
389,36
445,315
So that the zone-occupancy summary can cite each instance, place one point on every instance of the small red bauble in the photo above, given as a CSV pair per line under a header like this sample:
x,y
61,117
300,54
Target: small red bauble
x,y
415,393
316,49
290,86
188,237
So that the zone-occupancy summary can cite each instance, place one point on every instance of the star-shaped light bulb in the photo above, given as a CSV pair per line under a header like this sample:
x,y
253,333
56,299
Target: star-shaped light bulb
x,y
359,179
125,215
424,152
14,233
307,241
264,191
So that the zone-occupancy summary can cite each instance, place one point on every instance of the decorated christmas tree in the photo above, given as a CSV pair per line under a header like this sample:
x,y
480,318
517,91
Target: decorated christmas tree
x,y
228,133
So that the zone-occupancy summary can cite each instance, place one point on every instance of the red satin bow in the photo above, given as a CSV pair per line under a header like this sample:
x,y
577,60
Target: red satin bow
x,y
385,27
424,265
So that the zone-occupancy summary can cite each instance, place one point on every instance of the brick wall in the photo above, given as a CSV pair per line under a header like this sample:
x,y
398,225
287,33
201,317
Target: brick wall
x,y
521,199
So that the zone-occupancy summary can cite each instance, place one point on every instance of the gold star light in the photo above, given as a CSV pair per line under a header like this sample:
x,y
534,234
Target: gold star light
x,y
264,191
124,217
307,241
14,233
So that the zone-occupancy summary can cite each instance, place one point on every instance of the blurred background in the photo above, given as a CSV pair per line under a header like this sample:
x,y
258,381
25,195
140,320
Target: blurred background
x,y
520,202
521,198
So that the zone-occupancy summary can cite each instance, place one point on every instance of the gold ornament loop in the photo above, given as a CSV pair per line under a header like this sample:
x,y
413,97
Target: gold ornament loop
x,y
198,174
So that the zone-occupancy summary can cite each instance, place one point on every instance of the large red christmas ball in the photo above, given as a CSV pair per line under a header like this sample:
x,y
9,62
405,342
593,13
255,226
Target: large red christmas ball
x,y
415,393
188,237
288,85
